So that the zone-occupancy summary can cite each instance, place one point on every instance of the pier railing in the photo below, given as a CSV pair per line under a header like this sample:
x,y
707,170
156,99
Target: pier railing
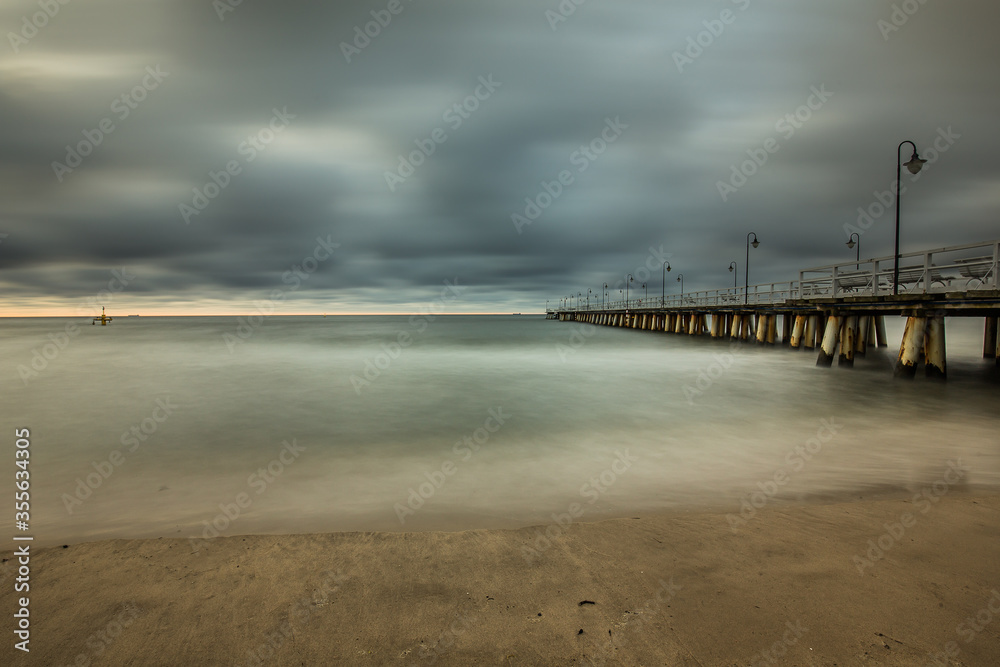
x,y
954,269
962,268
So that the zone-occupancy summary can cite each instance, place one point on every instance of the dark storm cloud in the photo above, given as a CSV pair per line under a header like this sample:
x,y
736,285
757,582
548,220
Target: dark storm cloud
x,y
268,88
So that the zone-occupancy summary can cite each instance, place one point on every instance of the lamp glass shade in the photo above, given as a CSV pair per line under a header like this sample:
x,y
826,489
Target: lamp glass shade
x,y
755,243
915,164
850,244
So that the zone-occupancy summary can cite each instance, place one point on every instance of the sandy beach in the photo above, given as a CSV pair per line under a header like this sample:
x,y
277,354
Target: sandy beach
x,y
886,582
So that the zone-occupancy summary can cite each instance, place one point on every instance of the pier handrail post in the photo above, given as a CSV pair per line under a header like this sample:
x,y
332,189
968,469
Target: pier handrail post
x,y
833,275
927,272
996,264
874,277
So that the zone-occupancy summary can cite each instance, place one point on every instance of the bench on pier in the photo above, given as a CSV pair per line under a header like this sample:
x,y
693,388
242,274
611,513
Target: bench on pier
x,y
975,268
915,274
850,281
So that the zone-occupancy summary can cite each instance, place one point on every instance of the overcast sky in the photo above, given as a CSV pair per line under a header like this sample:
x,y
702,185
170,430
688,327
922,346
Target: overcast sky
x,y
116,114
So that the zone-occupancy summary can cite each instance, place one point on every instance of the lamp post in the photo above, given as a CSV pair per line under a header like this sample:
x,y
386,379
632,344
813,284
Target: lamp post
x,y
746,274
663,282
589,292
605,296
734,269
627,283
913,166
680,279
850,244
645,293
621,292
579,297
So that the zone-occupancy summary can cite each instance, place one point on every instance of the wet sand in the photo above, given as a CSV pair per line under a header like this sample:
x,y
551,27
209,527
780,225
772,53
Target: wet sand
x,y
796,585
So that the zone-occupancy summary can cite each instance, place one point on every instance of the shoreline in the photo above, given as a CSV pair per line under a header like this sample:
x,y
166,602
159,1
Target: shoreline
x,y
799,582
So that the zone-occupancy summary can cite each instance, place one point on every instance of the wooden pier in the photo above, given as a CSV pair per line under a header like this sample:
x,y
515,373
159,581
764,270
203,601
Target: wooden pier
x,y
838,310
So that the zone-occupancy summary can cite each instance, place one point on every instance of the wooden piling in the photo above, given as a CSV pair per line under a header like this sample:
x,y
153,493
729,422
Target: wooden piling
x,y
990,348
911,347
762,329
880,330
862,339
772,328
934,349
828,347
786,329
848,335
797,331
810,337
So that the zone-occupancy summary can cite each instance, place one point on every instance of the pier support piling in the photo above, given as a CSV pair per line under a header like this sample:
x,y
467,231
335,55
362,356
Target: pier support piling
x,y
990,348
862,338
911,347
797,331
934,349
810,337
880,330
762,329
828,347
848,335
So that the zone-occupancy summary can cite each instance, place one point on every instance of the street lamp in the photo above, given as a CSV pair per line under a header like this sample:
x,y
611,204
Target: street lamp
x,y
589,292
851,243
913,166
680,279
645,293
626,290
663,281
734,269
605,296
746,274
578,297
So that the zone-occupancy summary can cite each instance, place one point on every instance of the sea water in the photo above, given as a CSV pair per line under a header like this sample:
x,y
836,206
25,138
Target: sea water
x,y
197,427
